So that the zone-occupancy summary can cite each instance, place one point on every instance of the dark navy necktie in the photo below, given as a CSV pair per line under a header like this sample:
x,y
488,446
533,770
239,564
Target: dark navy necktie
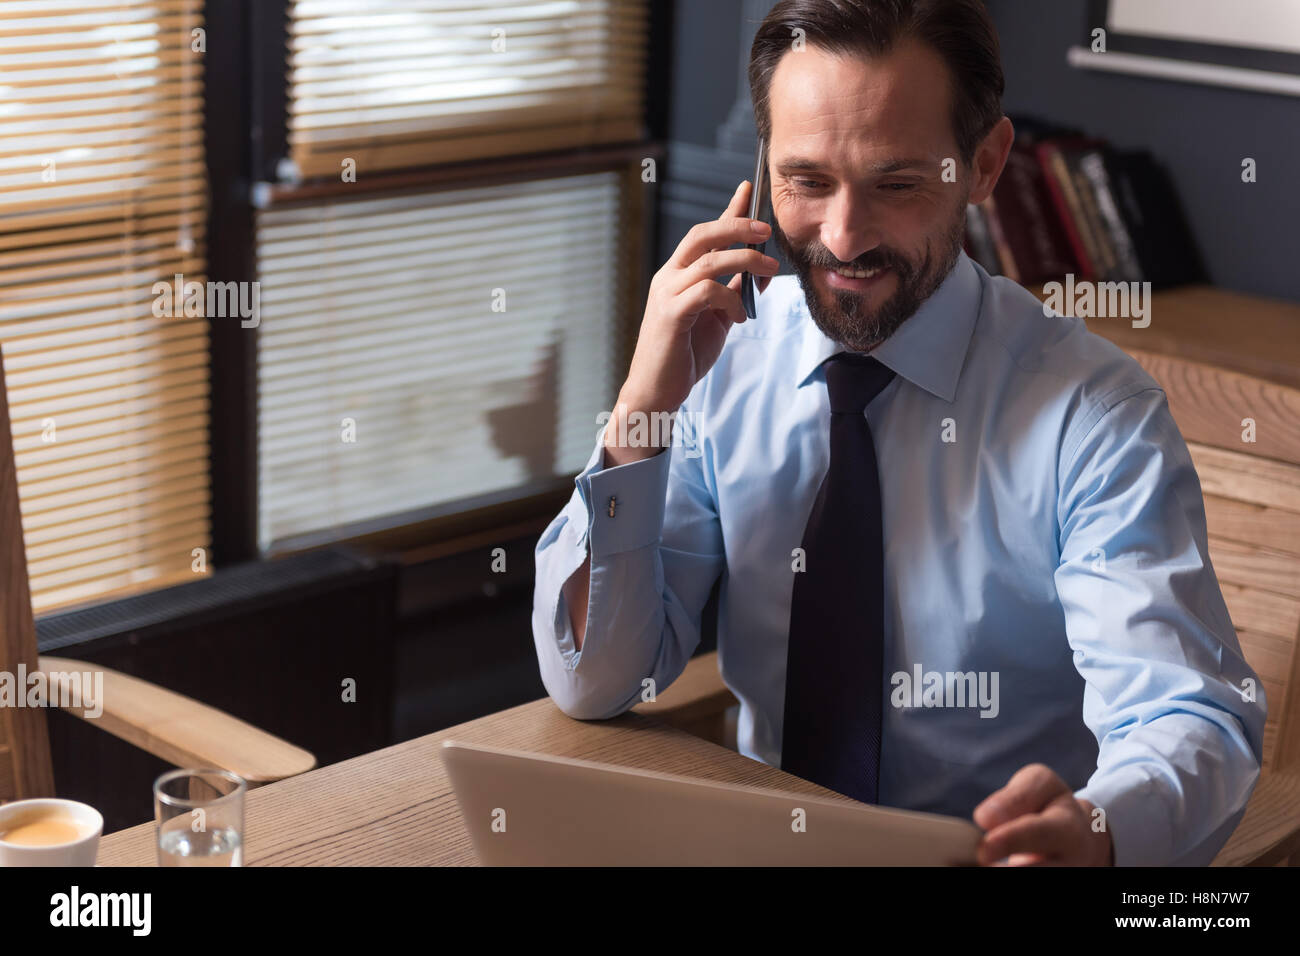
x,y
834,665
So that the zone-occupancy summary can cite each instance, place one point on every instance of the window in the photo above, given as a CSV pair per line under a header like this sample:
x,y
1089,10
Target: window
x,y
401,83
417,350
424,340
444,271
102,199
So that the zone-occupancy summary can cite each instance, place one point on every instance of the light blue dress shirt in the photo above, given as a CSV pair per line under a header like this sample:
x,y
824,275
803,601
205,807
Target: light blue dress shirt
x,y
1045,543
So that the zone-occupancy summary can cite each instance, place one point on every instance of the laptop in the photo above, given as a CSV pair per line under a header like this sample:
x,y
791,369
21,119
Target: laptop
x,y
531,809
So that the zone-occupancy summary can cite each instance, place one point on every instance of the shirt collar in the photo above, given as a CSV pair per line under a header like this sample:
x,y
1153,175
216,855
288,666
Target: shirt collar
x,y
928,349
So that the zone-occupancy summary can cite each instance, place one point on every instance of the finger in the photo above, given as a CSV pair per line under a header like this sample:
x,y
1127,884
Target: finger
x,y
739,204
707,295
734,285
1029,790
722,262
718,234
725,321
1048,835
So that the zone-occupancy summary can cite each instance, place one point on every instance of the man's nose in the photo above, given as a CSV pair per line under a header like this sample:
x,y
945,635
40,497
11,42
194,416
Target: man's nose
x,y
849,229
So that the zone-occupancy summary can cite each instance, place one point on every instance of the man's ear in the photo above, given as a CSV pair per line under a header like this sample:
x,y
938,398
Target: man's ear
x,y
990,156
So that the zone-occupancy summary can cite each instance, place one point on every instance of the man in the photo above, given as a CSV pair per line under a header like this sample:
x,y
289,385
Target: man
x,y
962,544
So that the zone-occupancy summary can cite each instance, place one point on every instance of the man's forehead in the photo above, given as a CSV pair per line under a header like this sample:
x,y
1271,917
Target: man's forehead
x,y
898,101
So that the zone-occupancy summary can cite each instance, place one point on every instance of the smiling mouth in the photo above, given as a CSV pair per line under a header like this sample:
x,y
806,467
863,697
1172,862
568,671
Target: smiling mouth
x,y
855,280
857,273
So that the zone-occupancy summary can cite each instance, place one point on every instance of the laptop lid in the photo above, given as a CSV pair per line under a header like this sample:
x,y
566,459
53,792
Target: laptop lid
x,y
530,809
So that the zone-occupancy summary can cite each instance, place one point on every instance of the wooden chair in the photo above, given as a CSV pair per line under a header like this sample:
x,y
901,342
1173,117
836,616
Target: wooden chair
x,y
169,726
1252,511
1252,505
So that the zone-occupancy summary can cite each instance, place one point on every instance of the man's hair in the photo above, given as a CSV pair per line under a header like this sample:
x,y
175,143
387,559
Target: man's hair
x,y
959,31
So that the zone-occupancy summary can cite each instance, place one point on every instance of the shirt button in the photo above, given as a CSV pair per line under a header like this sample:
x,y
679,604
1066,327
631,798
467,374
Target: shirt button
x,y
612,502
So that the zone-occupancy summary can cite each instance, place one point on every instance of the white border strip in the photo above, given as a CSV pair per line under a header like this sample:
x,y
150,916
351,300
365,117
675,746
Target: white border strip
x,y
1168,68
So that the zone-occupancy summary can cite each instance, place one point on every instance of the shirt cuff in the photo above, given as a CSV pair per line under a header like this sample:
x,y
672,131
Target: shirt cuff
x,y
1137,816
625,504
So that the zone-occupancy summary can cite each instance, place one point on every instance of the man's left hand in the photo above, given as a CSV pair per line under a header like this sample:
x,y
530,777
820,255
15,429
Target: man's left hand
x,y
1035,820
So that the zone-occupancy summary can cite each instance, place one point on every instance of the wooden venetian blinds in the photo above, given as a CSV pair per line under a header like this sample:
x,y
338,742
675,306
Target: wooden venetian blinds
x,y
408,83
417,350
102,195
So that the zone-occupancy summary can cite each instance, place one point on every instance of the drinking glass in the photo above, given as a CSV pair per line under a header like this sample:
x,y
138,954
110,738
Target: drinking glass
x,y
200,818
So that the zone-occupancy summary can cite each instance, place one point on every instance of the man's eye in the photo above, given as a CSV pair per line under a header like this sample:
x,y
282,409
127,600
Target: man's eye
x,y
811,185
899,187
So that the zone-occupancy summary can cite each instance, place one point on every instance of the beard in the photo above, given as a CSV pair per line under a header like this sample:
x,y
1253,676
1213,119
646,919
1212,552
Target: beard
x,y
846,319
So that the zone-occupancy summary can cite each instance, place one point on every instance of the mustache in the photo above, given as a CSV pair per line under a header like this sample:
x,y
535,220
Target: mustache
x,y
813,254
875,259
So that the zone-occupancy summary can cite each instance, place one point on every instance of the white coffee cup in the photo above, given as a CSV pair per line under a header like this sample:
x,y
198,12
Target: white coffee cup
x,y
78,852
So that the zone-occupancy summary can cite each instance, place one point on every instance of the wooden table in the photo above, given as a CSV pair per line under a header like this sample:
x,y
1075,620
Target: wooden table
x,y
395,807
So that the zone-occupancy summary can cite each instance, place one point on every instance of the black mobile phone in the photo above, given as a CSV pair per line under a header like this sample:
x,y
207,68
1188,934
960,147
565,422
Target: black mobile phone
x,y
758,209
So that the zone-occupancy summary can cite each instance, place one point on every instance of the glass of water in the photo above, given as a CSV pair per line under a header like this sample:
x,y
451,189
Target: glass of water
x,y
200,817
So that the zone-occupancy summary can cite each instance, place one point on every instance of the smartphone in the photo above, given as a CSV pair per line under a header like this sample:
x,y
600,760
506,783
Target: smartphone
x,y
758,209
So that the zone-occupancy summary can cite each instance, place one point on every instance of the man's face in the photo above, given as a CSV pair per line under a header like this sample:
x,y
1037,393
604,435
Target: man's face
x,y
857,159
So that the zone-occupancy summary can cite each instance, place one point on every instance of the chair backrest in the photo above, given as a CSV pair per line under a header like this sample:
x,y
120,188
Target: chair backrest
x,y
25,767
1244,436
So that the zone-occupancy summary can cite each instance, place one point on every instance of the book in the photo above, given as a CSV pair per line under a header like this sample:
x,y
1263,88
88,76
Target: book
x,y
1106,262
1149,205
1092,164
1037,240
1089,209
1069,205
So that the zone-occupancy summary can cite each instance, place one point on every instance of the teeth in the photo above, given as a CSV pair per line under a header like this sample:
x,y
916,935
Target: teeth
x,y
857,273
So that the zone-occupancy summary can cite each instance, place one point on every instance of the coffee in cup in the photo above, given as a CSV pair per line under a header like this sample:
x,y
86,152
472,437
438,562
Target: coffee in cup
x,y
49,832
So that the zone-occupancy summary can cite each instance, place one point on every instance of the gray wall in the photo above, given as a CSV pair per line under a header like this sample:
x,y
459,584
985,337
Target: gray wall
x,y
1249,234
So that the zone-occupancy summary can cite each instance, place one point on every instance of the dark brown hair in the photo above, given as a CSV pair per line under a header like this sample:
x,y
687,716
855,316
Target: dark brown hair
x,y
959,31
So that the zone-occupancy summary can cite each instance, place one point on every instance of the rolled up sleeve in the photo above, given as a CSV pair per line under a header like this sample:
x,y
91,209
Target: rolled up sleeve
x,y
1177,712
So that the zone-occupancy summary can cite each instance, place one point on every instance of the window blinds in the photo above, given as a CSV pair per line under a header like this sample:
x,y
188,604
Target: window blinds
x,y
416,350
102,190
408,83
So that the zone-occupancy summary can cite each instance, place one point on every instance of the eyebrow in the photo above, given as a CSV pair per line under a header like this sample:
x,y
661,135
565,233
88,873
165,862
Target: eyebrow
x,y
800,164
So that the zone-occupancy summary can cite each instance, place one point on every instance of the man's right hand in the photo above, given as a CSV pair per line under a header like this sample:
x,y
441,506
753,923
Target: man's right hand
x,y
687,317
